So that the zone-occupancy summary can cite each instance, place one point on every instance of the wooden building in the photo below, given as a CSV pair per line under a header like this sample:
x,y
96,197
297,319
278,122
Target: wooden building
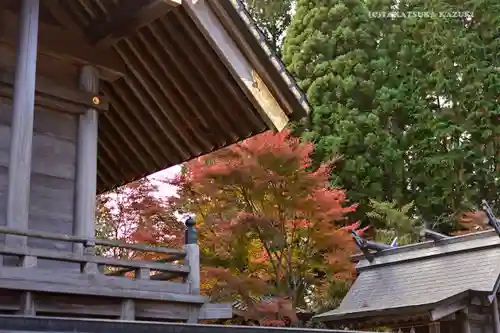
x,y
98,93
449,285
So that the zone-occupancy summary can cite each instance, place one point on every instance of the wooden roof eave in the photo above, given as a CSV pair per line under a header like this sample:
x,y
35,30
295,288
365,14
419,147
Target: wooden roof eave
x,y
430,312
242,70
245,94
253,44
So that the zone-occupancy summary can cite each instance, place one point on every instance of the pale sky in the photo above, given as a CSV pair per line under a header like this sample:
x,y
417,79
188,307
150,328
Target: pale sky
x,y
165,189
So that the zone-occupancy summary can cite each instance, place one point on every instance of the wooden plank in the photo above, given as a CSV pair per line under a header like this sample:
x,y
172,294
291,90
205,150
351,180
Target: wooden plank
x,y
46,122
127,18
111,307
71,238
66,45
23,108
51,210
60,71
74,257
239,66
216,311
64,282
57,95
50,156
6,92
62,16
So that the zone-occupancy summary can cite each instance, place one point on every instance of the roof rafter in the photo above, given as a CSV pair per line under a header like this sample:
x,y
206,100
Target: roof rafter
x,y
130,16
62,44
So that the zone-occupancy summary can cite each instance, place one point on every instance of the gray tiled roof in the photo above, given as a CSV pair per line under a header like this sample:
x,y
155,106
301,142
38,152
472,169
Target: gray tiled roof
x,y
422,274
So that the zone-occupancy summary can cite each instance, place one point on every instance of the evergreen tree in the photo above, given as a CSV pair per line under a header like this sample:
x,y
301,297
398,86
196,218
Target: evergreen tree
x,y
273,18
408,104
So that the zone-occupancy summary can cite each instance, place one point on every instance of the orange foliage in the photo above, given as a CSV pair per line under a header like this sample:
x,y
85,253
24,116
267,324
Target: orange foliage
x,y
267,217
269,224
135,213
472,222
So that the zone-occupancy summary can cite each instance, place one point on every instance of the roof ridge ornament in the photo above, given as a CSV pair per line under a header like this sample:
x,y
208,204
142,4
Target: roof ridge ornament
x,y
427,233
367,246
492,220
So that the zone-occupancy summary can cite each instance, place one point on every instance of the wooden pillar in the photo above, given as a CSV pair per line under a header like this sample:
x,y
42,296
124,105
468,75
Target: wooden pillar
x,y
23,108
193,261
495,316
435,327
86,162
463,320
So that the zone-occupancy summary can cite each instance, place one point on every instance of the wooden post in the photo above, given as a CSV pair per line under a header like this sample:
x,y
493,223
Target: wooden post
x,y
127,310
193,261
86,163
435,327
463,319
495,315
23,108
27,301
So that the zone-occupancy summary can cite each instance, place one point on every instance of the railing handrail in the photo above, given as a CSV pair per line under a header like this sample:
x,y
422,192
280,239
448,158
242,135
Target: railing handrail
x,y
83,259
89,242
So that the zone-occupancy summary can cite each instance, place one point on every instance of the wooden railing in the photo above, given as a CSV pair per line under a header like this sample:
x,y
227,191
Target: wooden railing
x,y
27,277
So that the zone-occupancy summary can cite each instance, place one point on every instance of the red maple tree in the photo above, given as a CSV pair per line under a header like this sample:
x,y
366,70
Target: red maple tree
x,y
136,213
268,222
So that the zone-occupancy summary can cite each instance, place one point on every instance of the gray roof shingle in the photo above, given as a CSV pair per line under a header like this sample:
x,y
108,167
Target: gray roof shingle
x,y
421,274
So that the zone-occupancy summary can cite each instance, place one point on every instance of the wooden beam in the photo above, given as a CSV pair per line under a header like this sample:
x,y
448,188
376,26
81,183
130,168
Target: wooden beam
x,y
23,111
56,97
239,66
448,309
62,16
66,45
96,285
72,257
83,240
126,19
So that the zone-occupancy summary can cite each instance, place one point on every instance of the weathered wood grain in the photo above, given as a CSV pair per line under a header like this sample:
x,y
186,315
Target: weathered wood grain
x,y
40,280
61,71
126,19
75,257
21,134
193,261
54,96
70,238
127,310
47,122
52,177
64,45
86,162
111,307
